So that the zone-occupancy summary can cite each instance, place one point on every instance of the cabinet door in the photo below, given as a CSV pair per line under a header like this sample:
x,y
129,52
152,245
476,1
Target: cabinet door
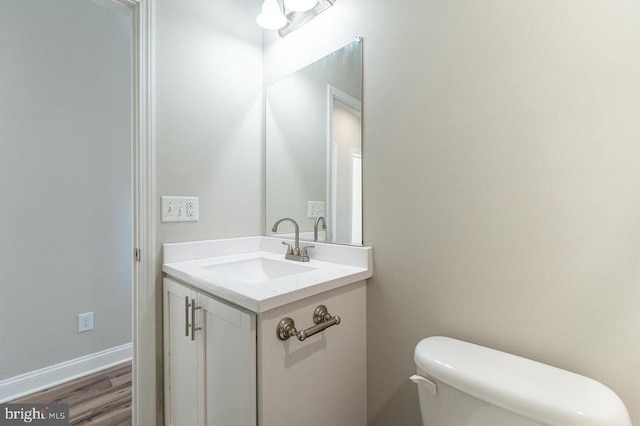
x,y
180,358
228,353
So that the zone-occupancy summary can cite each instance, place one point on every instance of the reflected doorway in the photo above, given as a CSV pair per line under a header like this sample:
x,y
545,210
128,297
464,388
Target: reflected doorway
x,y
345,164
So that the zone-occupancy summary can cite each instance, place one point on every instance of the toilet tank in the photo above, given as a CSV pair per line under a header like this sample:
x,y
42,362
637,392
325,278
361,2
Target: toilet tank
x,y
462,384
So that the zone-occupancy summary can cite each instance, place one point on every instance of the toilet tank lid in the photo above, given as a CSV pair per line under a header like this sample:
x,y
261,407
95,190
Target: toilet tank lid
x,y
528,388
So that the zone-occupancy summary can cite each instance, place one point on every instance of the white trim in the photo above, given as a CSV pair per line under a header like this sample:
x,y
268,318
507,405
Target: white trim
x,y
356,231
145,213
34,381
344,99
332,186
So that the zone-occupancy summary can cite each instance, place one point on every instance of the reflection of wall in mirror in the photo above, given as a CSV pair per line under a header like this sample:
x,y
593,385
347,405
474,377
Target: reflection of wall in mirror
x,y
295,149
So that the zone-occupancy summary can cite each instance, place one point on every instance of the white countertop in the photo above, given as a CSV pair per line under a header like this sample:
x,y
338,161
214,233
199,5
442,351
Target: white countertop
x,y
331,266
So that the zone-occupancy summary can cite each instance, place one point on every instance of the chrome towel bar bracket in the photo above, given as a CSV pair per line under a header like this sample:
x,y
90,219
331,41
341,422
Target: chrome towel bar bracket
x,y
321,318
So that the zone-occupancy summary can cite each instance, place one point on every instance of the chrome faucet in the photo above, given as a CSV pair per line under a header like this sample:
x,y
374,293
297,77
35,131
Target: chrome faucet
x,y
315,227
293,253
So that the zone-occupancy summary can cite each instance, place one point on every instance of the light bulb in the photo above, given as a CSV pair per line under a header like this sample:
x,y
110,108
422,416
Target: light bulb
x,y
299,5
271,16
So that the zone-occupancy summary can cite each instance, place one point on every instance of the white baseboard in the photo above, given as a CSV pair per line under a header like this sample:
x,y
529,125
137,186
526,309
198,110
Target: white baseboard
x,y
33,381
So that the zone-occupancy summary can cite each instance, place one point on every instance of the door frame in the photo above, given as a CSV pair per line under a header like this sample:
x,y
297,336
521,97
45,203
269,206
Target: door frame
x,y
144,209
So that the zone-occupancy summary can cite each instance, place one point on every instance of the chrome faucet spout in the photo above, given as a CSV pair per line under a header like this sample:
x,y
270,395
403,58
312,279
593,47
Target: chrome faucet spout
x,y
294,253
315,227
296,247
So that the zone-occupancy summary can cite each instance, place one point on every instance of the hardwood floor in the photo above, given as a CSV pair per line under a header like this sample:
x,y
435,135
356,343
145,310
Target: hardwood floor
x,y
102,398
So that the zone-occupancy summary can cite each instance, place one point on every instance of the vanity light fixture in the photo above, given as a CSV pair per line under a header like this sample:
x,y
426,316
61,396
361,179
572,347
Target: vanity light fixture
x,y
299,5
292,16
271,16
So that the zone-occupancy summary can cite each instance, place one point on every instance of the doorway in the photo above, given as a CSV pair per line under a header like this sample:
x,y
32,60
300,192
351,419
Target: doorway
x,y
67,172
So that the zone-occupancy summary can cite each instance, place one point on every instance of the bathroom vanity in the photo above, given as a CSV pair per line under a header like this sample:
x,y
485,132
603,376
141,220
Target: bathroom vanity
x,y
228,305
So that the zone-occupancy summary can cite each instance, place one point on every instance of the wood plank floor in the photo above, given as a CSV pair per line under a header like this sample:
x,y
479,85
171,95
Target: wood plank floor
x,y
102,398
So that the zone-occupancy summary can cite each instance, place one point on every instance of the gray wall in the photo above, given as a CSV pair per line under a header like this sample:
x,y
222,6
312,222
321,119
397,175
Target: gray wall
x,y
65,181
500,181
209,115
209,126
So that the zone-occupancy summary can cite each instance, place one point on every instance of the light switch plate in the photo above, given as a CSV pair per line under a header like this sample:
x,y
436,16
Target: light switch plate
x,y
179,209
315,209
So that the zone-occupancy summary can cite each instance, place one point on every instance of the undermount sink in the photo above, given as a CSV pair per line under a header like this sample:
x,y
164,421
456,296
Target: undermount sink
x,y
257,270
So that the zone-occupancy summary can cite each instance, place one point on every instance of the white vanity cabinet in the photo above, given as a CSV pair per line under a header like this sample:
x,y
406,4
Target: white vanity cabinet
x,y
226,364
237,371
210,363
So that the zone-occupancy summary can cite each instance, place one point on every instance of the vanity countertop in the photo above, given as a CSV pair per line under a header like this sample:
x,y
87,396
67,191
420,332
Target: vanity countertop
x,y
251,272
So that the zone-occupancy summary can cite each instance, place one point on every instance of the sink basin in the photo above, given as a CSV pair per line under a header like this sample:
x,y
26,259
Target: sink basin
x,y
257,270
252,273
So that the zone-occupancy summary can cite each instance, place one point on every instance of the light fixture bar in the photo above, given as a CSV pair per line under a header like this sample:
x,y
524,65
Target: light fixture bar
x,y
298,19
299,5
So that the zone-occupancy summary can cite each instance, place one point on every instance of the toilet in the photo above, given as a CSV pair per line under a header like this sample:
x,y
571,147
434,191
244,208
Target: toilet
x,y
462,384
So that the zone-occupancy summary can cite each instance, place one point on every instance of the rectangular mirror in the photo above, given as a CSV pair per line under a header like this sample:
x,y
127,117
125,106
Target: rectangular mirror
x,y
314,149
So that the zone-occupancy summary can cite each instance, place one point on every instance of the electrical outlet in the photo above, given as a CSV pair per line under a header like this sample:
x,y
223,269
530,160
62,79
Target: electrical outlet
x,y
315,209
85,322
179,209
191,207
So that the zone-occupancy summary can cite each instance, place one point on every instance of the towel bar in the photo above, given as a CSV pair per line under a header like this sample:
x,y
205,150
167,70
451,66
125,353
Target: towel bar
x,y
321,318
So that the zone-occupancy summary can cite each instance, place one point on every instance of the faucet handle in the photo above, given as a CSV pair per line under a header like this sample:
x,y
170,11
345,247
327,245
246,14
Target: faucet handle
x,y
289,248
304,251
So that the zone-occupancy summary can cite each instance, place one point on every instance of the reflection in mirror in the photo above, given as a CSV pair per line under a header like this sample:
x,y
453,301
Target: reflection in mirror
x,y
314,149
